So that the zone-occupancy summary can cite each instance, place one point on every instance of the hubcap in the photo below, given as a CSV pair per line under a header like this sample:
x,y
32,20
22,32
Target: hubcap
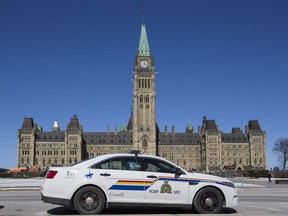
x,y
89,201
209,201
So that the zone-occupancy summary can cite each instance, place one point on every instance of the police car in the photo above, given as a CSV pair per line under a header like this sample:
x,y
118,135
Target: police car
x,y
135,180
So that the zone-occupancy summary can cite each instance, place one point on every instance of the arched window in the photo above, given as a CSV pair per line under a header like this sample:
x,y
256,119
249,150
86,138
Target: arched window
x,y
147,99
144,143
141,98
148,83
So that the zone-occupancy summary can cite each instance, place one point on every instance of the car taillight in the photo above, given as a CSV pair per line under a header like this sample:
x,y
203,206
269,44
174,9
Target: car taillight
x,y
51,174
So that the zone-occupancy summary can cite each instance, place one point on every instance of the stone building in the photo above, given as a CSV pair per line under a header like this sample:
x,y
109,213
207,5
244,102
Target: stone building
x,y
207,149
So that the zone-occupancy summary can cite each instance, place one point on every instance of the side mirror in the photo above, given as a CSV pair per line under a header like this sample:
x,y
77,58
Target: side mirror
x,y
178,172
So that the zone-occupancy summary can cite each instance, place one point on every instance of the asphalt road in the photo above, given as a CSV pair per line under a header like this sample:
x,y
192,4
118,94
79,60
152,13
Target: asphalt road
x,y
269,200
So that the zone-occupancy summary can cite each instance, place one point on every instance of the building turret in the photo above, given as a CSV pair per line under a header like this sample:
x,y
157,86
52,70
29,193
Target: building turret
x,y
74,124
56,126
189,128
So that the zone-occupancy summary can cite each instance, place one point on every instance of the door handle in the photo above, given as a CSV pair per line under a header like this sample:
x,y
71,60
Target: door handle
x,y
151,176
105,174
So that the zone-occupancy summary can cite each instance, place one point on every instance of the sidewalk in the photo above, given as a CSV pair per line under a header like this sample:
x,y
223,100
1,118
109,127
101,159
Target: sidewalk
x,y
13,184
257,182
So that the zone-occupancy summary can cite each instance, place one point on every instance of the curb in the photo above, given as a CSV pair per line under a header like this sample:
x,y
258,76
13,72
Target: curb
x,y
20,189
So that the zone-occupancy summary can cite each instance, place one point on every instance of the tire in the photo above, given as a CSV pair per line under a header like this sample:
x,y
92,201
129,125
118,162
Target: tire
x,y
208,200
89,200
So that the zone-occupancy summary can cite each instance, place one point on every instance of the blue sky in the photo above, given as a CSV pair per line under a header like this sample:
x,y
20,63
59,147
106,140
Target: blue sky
x,y
223,59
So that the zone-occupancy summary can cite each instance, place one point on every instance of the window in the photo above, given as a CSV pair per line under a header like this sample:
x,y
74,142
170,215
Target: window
x,y
155,165
147,99
145,143
127,163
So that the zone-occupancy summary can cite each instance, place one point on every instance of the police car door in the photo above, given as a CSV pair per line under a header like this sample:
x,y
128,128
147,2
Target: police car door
x,y
121,179
165,187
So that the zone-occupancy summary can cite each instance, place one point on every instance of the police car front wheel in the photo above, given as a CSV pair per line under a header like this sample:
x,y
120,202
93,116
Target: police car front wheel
x,y
89,200
208,200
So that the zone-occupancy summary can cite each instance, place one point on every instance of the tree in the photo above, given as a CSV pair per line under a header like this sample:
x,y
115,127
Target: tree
x,y
281,149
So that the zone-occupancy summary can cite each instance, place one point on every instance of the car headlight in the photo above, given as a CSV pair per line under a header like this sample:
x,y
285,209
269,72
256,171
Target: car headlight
x,y
229,184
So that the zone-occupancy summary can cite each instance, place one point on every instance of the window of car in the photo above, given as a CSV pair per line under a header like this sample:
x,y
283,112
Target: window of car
x,y
118,163
156,165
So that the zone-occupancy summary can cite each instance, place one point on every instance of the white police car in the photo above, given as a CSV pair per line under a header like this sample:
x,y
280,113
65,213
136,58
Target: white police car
x,y
135,180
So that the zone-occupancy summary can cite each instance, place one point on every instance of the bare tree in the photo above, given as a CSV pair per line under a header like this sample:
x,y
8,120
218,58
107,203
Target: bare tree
x,y
281,149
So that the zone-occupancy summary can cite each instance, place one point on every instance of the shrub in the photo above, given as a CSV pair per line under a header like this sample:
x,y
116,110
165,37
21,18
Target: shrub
x,y
280,174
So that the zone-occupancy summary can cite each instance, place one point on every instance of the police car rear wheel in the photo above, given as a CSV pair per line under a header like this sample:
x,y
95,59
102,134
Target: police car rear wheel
x,y
208,200
89,200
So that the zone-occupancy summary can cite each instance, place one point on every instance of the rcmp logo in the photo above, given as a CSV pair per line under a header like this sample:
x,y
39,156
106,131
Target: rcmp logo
x,y
89,175
166,188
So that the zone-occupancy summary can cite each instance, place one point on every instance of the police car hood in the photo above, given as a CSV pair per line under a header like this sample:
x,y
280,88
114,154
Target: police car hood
x,y
207,177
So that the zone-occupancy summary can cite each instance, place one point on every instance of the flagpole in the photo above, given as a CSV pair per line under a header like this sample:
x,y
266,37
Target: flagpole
x,y
142,10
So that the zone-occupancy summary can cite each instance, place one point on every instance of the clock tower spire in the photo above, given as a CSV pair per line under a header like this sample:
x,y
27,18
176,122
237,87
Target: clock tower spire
x,y
144,98
143,49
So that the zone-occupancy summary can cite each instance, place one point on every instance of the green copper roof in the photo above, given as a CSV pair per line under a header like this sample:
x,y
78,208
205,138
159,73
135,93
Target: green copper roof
x,y
189,126
123,127
143,49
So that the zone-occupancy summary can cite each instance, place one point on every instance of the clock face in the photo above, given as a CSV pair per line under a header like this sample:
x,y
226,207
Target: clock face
x,y
144,64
